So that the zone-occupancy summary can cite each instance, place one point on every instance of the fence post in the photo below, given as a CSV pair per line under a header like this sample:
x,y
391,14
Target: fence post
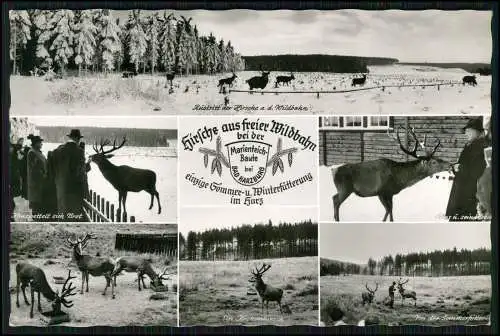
x,y
98,206
124,217
118,215
107,210
112,212
132,219
103,202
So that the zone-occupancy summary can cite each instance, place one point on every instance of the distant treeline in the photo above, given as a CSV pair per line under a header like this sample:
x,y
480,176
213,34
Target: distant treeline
x,y
135,136
481,68
436,263
314,63
249,242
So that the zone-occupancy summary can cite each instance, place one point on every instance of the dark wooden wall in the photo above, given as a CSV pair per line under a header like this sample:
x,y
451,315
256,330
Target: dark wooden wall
x,y
165,244
349,146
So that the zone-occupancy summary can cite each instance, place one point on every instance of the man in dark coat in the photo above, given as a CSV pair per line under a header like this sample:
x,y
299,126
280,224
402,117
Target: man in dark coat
x,y
462,204
36,178
392,289
68,171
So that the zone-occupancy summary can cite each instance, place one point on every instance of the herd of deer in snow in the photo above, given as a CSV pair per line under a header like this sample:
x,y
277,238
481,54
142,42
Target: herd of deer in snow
x,y
107,267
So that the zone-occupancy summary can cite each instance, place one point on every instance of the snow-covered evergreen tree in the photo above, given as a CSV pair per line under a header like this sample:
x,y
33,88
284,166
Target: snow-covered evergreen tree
x,y
152,30
168,41
85,42
62,45
19,34
137,39
109,41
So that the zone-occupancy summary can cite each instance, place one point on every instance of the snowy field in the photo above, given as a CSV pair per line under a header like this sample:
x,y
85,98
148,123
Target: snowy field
x,y
146,94
425,201
161,160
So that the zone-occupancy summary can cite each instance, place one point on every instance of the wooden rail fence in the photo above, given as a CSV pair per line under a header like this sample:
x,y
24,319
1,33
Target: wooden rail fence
x,y
156,243
98,209
383,87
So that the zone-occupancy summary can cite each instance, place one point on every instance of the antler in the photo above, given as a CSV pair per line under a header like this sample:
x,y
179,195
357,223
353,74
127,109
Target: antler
x,y
86,239
164,274
376,287
67,291
368,288
107,142
413,152
402,283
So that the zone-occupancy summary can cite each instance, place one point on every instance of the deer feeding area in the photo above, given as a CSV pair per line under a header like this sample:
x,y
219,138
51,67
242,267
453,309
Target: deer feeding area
x,y
441,301
161,160
46,247
424,201
219,292
389,88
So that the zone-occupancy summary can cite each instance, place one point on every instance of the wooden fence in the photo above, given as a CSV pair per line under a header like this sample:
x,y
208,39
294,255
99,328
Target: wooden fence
x,y
383,87
99,209
156,243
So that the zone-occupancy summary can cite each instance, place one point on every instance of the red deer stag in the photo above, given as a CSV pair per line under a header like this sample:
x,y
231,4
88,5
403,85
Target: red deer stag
x,y
384,177
141,266
369,295
124,178
95,266
33,276
266,292
405,294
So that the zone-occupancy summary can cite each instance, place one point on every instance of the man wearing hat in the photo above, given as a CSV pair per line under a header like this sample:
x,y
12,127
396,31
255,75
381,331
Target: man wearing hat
x,y
462,204
36,165
68,172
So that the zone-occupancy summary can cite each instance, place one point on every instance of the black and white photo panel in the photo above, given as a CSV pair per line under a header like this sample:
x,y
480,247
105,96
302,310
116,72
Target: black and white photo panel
x,y
405,168
93,169
252,162
140,62
405,274
85,274
239,266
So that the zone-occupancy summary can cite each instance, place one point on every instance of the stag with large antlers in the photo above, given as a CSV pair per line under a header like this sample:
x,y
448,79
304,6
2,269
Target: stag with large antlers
x,y
95,266
141,266
369,295
33,276
384,177
406,294
266,292
124,178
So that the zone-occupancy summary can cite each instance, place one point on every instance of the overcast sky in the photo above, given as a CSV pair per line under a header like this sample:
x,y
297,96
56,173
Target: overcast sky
x,y
410,36
151,122
201,219
358,242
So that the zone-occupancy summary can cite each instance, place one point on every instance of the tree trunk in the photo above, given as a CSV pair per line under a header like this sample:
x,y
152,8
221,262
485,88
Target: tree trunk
x,y
14,49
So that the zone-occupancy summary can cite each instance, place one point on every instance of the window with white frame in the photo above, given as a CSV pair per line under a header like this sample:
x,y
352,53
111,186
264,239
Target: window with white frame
x,y
355,122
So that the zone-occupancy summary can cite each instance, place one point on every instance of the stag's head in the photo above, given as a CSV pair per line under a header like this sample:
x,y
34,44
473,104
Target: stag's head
x,y
158,279
62,298
256,276
372,291
292,76
79,244
100,155
234,75
430,163
401,283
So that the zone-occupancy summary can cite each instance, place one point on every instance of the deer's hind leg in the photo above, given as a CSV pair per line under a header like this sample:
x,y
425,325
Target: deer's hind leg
x,y
17,291
23,288
39,303
338,199
158,199
108,282
387,203
124,199
32,301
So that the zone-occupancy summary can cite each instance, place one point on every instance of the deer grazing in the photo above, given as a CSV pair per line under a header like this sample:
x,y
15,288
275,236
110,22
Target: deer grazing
x,y
384,177
284,79
266,292
170,77
258,82
129,74
124,178
369,295
33,276
471,80
95,266
406,294
359,81
141,266
226,81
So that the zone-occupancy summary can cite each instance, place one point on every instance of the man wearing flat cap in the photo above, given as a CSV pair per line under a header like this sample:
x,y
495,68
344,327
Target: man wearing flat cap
x,y
462,204
67,169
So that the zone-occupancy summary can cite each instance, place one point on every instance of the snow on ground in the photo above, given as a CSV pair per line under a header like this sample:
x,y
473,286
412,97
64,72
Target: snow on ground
x,y
162,160
146,94
425,201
